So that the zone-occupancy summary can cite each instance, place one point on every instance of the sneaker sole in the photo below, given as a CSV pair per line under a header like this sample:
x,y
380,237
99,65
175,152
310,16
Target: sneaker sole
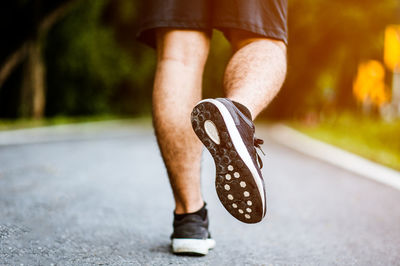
x,y
189,246
238,184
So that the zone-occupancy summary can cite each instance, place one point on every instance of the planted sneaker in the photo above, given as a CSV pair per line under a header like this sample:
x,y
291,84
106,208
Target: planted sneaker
x,y
227,130
191,235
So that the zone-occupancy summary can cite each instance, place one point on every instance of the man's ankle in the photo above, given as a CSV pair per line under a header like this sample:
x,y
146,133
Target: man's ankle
x,y
188,208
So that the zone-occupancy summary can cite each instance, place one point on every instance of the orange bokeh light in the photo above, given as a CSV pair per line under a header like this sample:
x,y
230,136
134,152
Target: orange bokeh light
x,y
392,48
369,85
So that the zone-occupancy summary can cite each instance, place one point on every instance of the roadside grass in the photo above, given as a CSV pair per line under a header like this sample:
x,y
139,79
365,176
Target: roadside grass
x,y
371,138
9,124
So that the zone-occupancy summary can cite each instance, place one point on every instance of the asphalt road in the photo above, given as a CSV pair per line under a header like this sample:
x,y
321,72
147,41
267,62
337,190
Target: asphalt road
x,y
100,196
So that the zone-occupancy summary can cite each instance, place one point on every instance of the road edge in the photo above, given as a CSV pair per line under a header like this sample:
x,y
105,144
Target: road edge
x,y
63,132
300,142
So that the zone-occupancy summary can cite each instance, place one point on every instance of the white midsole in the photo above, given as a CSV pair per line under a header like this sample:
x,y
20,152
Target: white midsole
x,y
184,245
239,145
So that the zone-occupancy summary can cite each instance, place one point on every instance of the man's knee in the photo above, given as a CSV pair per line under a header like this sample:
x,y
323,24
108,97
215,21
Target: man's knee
x,y
240,38
189,47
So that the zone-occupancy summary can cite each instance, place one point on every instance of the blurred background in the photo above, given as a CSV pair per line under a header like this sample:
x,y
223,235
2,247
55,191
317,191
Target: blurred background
x,y
69,60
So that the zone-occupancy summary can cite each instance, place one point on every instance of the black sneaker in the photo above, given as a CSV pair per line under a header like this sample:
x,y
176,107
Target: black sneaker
x,y
227,131
191,235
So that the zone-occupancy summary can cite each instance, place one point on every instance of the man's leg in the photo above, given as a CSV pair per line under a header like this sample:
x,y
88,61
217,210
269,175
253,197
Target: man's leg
x,y
181,56
253,76
256,71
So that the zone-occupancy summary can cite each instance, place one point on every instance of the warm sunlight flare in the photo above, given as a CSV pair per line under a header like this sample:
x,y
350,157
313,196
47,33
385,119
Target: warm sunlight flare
x,y
369,85
392,48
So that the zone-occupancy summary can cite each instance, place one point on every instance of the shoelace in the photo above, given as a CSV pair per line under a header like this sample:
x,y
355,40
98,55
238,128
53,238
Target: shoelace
x,y
257,143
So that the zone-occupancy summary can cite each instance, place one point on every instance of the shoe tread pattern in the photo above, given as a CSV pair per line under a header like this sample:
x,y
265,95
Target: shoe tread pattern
x,y
225,154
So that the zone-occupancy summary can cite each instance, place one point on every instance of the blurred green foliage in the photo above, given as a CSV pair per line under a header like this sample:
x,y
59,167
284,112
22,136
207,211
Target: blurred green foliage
x,y
14,124
95,66
93,63
327,41
84,62
214,70
88,71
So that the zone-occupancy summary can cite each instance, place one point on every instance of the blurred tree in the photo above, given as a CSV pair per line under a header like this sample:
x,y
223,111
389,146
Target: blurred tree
x,y
94,65
85,62
34,18
330,38
88,72
133,97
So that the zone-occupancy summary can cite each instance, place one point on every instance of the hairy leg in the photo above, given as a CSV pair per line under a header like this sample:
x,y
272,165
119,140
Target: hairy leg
x,y
181,56
256,71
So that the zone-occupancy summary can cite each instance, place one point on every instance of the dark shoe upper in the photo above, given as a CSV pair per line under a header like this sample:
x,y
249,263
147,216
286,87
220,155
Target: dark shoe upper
x,y
191,225
243,121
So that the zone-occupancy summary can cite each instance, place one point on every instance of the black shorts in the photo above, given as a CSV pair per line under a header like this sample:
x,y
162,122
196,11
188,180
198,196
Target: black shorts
x,y
263,17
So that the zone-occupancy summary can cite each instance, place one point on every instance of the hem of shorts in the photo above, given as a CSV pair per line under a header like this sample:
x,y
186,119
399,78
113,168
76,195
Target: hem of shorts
x,y
151,25
267,32
169,23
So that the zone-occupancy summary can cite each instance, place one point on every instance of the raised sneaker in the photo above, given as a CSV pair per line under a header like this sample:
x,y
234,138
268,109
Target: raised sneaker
x,y
191,235
227,130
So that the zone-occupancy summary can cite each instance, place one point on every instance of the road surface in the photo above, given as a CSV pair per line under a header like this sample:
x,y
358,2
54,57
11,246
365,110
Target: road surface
x,y
100,196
